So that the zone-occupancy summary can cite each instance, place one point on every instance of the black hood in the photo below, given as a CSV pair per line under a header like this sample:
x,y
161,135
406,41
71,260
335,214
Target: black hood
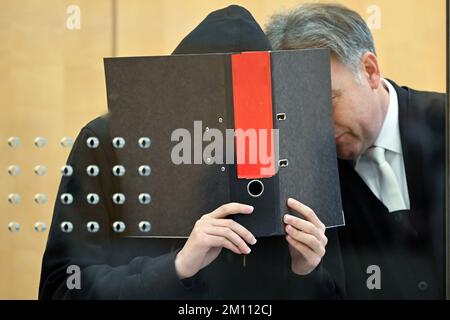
x,y
232,29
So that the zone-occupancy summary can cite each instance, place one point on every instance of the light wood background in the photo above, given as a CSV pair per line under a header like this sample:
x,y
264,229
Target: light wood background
x,y
52,83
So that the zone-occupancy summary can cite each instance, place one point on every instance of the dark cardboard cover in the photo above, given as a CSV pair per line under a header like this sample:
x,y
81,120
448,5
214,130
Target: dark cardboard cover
x,y
153,96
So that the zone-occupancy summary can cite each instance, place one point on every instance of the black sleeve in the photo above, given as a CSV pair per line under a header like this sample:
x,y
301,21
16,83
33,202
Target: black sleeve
x,y
143,277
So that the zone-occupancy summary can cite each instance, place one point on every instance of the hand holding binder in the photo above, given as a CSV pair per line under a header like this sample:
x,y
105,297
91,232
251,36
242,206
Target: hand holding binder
x,y
306,238
211,233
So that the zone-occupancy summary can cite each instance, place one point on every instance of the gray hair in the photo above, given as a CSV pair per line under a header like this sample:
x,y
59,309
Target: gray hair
x,y
320,25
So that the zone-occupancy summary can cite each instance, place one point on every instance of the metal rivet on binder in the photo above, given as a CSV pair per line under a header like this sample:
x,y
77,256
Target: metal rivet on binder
x,y
144,198
14,170
92,142
40,227
92,170
13,142
40,142
118,170
220,120
207,129
66,171
222,169
66,226
66,198
283,163
92,198
40,170
40,198
255,188
118,198
92,226
281,116
145,226
144,142
118,226
208,160
14,226
66,142
144,170
14,198
118,142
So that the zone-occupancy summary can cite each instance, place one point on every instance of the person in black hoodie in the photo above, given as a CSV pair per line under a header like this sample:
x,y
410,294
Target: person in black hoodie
x,y
196,268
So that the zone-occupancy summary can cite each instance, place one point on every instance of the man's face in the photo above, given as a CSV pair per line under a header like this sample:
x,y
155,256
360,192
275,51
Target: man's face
x,y
356,111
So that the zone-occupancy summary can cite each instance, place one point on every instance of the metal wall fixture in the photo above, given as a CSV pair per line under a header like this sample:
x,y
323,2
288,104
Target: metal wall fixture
x,y
40,226
40,142
14,170
40,170
66,142
118,198
92,142
66,226
92,226
40,198
144,170
66,198
144,142
92,170
14,142
66,171
118,170
14,198
92,198
14,226
118,142
145,226
118,226
145,198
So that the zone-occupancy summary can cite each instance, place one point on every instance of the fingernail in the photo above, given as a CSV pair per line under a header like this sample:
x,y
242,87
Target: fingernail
x,y
286,217
248,251
290,200
250,208
253,240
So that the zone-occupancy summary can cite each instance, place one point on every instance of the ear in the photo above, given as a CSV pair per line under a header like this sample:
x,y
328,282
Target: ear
x,y
371,70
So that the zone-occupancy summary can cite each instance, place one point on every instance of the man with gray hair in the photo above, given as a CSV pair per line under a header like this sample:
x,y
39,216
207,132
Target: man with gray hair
x,y
390,142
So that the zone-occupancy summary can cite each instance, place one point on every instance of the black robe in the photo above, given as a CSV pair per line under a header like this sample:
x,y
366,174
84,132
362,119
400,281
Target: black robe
x,y
408,247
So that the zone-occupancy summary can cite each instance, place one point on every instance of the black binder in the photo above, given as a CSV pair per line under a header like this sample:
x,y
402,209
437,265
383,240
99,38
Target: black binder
x,y
151,97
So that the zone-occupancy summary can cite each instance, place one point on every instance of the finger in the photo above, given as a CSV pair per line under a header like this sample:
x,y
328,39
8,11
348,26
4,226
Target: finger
x,y
236,227
312,258
306,212
231,208
305,226
221,242
309,240
229,235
